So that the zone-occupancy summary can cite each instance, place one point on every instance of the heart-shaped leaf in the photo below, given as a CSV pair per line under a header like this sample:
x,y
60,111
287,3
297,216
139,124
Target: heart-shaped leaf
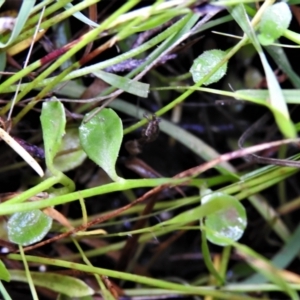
x,y
101,139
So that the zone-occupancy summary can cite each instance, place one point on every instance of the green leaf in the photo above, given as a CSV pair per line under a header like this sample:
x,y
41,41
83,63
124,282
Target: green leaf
x,y
279,56
2,62
66,285
101,139
73,154
4,274
23,15
127,85
156,21
207,259
29,227
205,63
275,100
65,297
216,204
81,17
229,222
53,125
274,21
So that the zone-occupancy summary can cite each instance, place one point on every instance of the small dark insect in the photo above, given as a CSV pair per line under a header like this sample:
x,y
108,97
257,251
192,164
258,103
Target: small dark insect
x,y
151,132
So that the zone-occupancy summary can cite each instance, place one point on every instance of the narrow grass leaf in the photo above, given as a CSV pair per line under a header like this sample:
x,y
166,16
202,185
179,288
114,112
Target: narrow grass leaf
x,y
101,139
4,274
128,85
207,259
283,258
197,213
280,58
2,62
260,96
23,15
21,151
264,267
276,99
64,284
81,17
156,21
26,228
53,125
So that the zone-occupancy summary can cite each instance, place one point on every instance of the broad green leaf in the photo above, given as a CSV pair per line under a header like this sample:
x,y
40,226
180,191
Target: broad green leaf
x,y
205,63
229,222
53,125
127,85
26,228
64,284
4,274
101,139
72,154
274,21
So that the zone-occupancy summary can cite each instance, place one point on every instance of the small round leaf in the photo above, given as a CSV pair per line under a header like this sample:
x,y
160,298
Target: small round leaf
x,y
101,139
205,63
275,20
229,222
26,228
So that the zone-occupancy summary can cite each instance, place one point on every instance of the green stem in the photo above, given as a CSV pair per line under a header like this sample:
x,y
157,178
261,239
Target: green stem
x,y
209,291
43,186
183,96
15,204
